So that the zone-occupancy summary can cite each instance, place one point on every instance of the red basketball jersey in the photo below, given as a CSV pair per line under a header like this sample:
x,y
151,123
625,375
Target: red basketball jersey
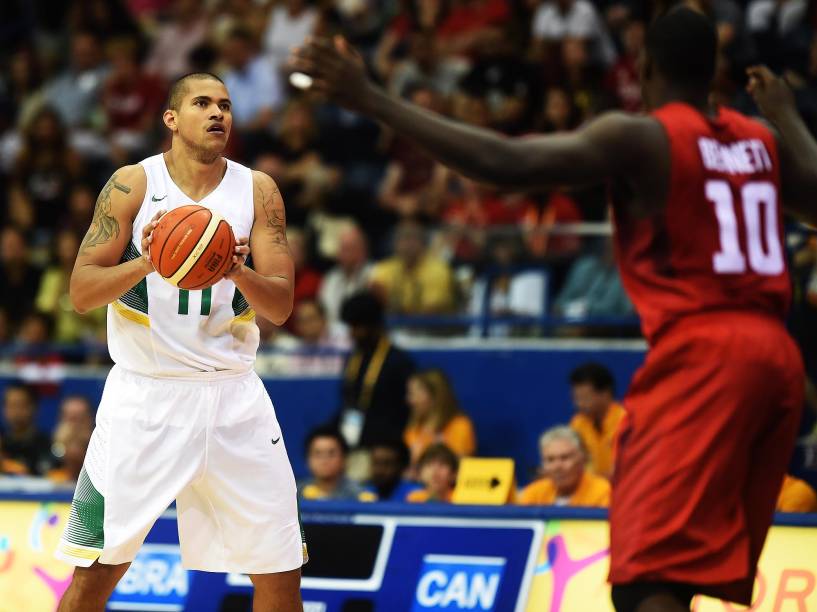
x,y
718,242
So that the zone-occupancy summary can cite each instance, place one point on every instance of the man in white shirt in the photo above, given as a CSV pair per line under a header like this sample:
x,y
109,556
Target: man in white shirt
x,y
349,275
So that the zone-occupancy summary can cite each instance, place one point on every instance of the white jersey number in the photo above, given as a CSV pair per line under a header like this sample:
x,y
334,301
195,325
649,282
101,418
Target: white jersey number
x,y
759,201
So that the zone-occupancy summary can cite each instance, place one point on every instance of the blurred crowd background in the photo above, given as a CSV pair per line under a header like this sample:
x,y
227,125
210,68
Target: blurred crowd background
x,y
83,84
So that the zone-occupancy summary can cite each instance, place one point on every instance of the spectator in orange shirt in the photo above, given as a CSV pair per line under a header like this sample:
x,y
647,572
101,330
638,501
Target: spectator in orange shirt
x,y
436,416
438,467
597,414
565,481
796,496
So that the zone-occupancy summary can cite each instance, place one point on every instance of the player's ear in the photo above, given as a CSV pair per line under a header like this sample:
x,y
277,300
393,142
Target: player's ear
x,y
169,117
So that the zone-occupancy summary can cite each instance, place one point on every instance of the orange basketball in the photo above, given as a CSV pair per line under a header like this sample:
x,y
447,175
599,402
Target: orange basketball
x,y
192,247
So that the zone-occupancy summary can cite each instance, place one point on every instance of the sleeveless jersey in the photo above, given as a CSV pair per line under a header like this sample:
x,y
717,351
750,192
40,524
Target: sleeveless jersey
x,y
717,244
160,330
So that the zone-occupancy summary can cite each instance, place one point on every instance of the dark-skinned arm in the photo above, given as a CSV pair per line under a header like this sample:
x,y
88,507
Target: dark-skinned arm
x,y
590,155
797,147
268,286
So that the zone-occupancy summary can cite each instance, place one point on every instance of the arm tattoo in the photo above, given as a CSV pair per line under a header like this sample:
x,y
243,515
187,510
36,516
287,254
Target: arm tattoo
x,y
104,225
276,219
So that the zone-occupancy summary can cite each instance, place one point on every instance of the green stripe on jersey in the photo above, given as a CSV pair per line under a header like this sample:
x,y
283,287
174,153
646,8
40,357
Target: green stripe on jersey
x,y
137,296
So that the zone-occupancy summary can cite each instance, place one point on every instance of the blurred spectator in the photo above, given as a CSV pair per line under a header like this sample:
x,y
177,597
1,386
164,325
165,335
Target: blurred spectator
x,y
289,23
593,288
538,221
76,411
796,496
319,350
105,18
413,281
471,25
556,20
307,278
297,163
414,184
437,467
326,452
19,279
349,275
10,467
374,376
560,113
230,14
53,298
565,482
77,217
598,415
389,462
780,16
37,361
70,445
504,289
20,211
22,440
19,87
436,416
74,93
46,166
132,100
424,66
176,39
623,78
255,86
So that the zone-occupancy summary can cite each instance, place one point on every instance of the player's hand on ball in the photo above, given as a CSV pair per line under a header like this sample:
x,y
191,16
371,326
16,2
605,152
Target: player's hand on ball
x,y
147,238
242,251
336,69
772,93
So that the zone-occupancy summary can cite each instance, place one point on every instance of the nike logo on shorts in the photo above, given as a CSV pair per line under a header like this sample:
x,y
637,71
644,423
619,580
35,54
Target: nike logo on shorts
x,y
275,440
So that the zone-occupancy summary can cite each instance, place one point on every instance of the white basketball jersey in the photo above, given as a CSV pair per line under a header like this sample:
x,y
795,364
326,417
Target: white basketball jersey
x,y
160,330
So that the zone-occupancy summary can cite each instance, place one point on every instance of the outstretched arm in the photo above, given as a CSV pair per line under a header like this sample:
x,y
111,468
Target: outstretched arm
x,y
797,147
601,150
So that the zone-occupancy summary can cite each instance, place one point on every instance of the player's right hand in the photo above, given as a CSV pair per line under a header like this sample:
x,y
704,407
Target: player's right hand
x,y
337,70
771,93
147,238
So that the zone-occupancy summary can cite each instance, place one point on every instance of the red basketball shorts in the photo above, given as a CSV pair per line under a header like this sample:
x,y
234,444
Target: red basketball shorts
x,y
712,418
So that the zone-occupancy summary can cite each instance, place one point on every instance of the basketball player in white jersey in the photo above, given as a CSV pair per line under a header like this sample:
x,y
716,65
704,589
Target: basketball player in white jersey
x,y
183,415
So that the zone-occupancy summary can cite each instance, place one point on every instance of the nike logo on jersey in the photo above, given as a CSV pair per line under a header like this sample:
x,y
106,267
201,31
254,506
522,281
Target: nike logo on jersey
x,y
275,440
155,199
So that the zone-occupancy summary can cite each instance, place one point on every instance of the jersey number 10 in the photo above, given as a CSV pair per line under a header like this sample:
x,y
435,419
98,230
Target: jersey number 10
x,y
759,203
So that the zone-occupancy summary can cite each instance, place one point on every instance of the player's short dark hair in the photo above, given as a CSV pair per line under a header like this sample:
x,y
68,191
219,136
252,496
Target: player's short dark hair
x,y
27,389
362,308
683,44
179,87
326,431
396,445
594,374
439,452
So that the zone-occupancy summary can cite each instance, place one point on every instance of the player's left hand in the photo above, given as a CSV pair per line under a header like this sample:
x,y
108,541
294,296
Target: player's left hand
x,y
772,93
242,251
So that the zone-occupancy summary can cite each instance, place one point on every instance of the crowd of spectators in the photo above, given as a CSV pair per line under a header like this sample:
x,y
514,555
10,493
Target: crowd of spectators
x,y
83,83
82,87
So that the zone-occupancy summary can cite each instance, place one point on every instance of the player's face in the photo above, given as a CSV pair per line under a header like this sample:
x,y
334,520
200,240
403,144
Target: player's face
x,y
326,460
204,118
562,462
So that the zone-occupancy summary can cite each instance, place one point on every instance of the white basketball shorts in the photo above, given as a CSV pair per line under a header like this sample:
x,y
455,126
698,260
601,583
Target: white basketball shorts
x,y
215,447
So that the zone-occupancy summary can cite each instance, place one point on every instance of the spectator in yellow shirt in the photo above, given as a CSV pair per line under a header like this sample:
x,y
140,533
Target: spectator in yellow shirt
x,y
566,482
413,281
796,496
326,452
435,416
438,473
597,415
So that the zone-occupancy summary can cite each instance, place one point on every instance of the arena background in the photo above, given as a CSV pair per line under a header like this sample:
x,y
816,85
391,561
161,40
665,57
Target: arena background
x,y
522,291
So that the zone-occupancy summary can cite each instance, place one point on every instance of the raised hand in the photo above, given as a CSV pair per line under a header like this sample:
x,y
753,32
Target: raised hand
x,y
337,70
771,93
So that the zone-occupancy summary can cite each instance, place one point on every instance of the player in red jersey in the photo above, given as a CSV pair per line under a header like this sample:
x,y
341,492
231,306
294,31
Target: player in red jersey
x,y
697,195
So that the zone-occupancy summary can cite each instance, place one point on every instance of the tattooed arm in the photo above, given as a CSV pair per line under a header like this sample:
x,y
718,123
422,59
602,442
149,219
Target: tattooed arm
x,y
98,277
269,285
